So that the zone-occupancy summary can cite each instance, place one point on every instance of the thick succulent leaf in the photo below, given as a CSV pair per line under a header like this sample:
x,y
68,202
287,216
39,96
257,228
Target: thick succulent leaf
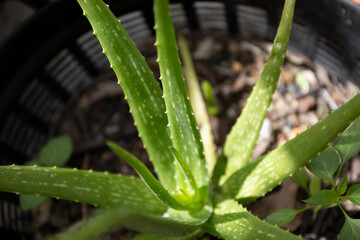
x,y
142,91
241,141
142,210
189,177
325,165
184,131
56,152
282,217
323,197
151,182
107,219
270,170
348,144
198,105
351,229
99,189
231,221
353,194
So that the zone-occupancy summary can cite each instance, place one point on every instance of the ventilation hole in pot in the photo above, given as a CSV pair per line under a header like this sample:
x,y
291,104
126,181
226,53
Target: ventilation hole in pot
x,y
39,101
12,218
21,136
67,71
178,16
299,36
329,54
252,21
135,25
211,15
90,45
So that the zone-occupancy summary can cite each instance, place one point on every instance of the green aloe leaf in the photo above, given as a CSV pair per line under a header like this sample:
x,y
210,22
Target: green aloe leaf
x,y
99,189
128,197
351,229
232,221
106,220
189,177
244,135
341,188
353,194
348,144
325,165
281,217
198,104
142,91
301,178
273,168
185,134
323,197
56,152
151,182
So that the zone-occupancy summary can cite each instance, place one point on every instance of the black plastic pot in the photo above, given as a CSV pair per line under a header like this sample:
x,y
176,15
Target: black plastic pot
x,y
46,60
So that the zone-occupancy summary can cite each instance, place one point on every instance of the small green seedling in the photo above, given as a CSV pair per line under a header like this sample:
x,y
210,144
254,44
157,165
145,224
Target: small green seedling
x,y
194,192
210,98
324,167
55,152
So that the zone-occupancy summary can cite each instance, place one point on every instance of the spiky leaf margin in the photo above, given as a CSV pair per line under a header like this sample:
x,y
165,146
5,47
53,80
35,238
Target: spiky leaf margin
x,y
142,91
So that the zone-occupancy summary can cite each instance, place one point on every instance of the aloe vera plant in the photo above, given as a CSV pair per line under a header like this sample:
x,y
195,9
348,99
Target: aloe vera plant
x,y
192,195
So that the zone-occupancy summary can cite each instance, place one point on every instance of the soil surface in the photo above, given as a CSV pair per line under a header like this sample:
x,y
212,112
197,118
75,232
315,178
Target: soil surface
x,y
305,94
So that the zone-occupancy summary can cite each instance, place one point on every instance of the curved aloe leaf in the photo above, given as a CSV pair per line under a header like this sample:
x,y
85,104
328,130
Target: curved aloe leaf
x,y
107,219
241,141
129,197
140,87
189,177
185,134
198,104
96,188
231,221
271,169
151,182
